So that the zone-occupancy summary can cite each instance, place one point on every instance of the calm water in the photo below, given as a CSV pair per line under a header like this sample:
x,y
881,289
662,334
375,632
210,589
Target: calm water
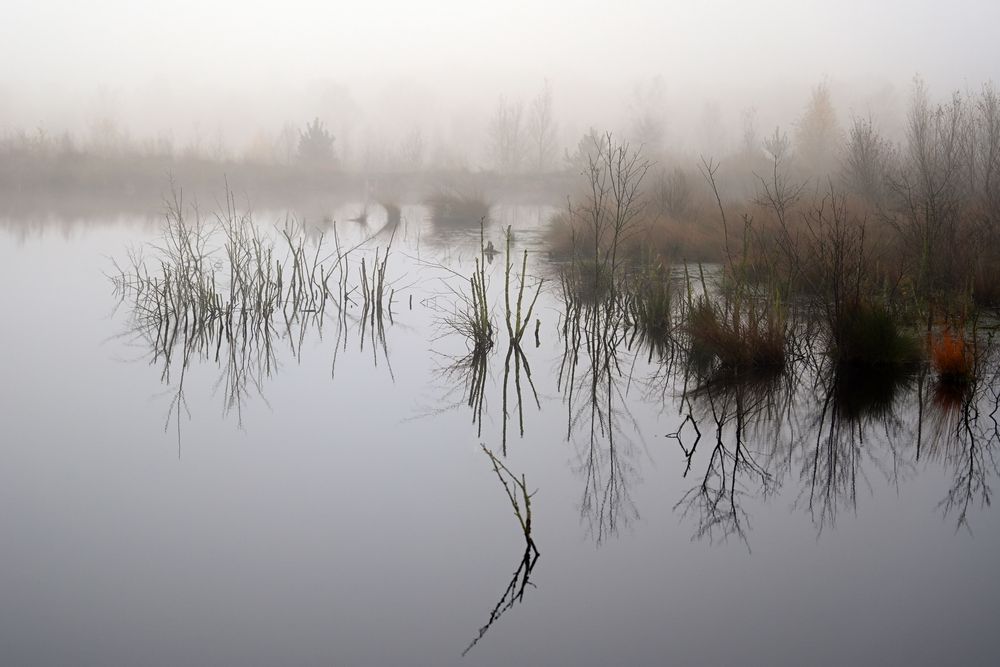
x,y
325,499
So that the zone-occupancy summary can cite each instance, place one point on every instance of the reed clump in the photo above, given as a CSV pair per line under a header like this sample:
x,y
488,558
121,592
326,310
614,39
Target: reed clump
x,y
650,303
868,334
227,274
951,358
472,317
517,318
375,303
737,335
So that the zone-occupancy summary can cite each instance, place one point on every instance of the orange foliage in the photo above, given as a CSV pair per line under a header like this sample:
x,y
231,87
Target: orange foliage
x,y
951,357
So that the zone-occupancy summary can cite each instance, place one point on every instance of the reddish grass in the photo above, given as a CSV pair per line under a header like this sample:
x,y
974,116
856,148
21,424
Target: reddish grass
x,y
951,357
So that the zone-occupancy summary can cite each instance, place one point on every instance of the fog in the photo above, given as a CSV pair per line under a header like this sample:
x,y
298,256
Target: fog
x,y
226,77
458,333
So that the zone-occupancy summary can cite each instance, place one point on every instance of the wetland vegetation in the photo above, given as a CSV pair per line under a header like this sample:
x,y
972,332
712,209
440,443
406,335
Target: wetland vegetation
x,y
323,324
822,347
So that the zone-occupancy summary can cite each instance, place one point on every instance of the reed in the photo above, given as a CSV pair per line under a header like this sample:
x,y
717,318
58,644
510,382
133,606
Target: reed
x,y
517,319
737,334
472,317
227,275
868,334
650,303
951,358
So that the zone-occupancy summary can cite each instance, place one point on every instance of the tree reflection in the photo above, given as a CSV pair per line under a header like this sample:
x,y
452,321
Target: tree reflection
x,y
835,428
594,385
859,408
736,407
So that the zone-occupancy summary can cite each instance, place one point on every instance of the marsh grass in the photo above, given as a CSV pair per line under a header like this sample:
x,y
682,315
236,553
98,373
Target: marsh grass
x,y
375,303
242,281
868,334
472,316
517,319
648,298
952,358
453,209
225,290
736,335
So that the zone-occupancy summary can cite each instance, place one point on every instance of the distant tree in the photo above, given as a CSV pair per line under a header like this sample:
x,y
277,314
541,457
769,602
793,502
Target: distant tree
x,y
286,144
648,112
107,137
750,148
672,193
219,150
262,149
868,159
931,187
316,144
587,147
506,133
375,154
412,150
777,145
542,130
713,138
818,135
779,187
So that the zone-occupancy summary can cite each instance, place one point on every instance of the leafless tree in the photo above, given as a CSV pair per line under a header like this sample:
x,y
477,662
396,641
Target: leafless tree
x,y
507,137
673,193
930,187
412,150
647,109
613,203
542,130
868,161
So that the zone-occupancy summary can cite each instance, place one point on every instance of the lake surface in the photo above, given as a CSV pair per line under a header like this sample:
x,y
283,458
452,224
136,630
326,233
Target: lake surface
x,y
323,497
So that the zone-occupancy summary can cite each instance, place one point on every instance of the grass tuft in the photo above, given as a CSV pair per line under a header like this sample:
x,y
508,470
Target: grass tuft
x,y
951,358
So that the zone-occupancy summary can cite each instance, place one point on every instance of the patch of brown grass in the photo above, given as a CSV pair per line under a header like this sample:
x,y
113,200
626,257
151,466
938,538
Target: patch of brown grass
x,y
749,338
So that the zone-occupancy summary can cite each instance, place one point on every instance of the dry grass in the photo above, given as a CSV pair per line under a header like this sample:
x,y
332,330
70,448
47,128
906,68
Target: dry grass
x,y
951,358
735,337
662,236
870,335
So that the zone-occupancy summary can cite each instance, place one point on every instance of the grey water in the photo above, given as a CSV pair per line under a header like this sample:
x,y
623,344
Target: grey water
x,y
325,499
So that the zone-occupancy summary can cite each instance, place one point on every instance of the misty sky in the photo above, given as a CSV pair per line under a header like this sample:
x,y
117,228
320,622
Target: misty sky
x,y
198,61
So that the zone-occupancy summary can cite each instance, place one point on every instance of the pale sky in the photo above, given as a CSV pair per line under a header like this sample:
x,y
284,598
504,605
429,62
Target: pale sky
x,y
203,62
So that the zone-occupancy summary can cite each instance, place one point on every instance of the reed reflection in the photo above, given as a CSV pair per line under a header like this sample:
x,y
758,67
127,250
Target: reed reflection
x,y
225,292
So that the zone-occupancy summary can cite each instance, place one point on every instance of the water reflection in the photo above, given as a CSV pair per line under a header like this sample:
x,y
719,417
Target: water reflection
x,y
229,293
738,410
831,429
593,382
232,296
963,435
516,490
